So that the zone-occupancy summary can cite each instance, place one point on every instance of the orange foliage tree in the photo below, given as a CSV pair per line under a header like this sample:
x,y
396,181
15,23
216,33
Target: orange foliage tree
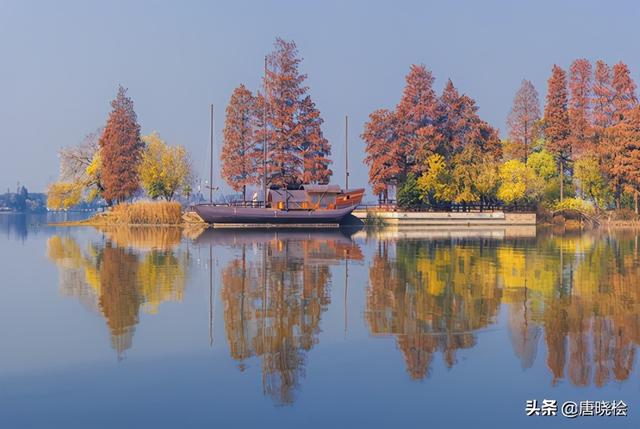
x,y
556,121
415,118
240,152
522,118
315,149
382,155
579,105
121,150
623,166
400,142
459,126
298,152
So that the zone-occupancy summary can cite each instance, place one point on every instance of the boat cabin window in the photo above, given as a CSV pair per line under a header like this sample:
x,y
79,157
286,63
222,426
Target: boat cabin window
x,y
323,199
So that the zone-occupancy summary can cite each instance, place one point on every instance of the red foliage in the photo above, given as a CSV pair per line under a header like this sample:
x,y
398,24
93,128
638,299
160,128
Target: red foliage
x,y
416,116
400,142
580,106
556,116
624,91
314,148
240,153
121,150
383,158
602,97
460,126
523,116
297,149
622,146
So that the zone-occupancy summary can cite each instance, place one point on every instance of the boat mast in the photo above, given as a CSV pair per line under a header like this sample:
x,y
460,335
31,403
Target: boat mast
x,y
211,159
264,143
346,152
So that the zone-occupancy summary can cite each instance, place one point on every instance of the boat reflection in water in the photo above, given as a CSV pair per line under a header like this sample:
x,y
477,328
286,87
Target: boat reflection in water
x,y
129,270
577,294
274,294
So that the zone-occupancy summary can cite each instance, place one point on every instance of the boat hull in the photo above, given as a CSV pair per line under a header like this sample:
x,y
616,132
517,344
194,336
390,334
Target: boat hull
x,y
216,214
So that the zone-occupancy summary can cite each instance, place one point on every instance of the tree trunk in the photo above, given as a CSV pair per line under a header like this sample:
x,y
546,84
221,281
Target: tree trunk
x,y
561,181
635,201
244,195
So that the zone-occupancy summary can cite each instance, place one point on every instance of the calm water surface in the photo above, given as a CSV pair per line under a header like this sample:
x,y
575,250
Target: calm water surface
x,y
143,327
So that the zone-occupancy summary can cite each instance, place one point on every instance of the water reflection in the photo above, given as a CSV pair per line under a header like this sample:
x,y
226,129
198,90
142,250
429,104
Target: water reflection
x,y
432,296
274,294
580,293
127,271
571,303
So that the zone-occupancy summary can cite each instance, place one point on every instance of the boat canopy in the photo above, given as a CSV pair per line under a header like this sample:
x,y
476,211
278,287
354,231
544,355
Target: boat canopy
x,y
309,197
328,189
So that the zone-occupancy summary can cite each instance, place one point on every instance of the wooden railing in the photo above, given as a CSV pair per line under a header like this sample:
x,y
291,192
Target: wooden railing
x,y
451,207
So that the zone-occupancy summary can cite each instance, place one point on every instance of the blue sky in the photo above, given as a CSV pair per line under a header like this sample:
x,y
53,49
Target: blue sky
x,y
61,63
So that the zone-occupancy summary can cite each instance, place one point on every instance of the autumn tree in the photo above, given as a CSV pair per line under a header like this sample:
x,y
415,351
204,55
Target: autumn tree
x,y
556,121
459,126
416,119
80,174
519,183
382,155
602,98
121,150
293,123
314,147
592,183
241,152
423,125
522,118
580,105
63,195
624,165
615,132
164,170
624,92
436,184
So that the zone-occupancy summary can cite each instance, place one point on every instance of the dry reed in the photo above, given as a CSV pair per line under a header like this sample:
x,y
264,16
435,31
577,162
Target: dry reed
x,y
146,213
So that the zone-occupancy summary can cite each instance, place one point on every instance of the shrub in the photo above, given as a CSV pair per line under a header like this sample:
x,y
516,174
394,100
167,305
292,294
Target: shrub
x,y
575,204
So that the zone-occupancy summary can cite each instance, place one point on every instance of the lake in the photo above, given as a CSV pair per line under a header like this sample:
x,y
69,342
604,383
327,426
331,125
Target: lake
x,y
164,328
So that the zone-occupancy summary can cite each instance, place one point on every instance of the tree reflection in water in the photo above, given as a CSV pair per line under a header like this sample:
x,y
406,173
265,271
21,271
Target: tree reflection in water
x,y
580,293
273,303
432,295
132,268
575,298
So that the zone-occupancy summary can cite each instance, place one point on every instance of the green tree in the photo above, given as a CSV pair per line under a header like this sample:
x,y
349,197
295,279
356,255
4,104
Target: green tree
x,y
409,195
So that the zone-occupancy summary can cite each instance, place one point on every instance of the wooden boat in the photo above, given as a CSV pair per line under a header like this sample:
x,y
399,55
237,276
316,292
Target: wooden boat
x,y
319,205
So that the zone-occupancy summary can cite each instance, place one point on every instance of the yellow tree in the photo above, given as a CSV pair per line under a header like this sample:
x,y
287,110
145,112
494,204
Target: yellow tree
x,y
164,170
63,195
80,174
518,183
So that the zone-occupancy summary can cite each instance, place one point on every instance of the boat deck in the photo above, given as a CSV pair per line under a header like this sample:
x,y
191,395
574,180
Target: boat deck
x,y
276,225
